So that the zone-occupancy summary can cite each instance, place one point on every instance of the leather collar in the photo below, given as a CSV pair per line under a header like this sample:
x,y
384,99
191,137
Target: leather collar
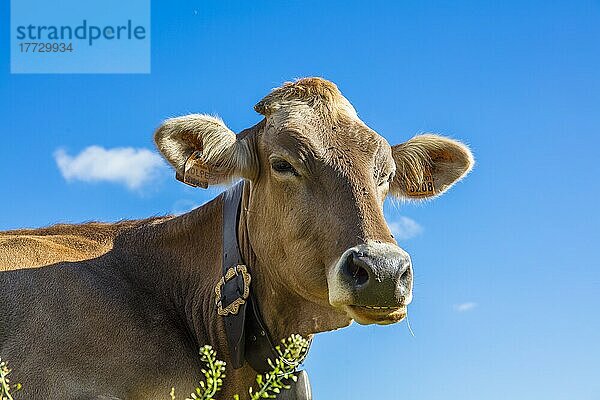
x,y
247,336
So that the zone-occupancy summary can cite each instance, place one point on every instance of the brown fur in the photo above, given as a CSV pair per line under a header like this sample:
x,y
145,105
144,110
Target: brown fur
x,y
128,318
27,248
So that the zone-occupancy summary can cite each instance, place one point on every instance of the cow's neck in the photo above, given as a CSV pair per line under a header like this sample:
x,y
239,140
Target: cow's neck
x,y
284,311
180,261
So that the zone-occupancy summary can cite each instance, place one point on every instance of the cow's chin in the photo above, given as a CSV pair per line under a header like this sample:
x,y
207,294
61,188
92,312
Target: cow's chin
x,y
376,315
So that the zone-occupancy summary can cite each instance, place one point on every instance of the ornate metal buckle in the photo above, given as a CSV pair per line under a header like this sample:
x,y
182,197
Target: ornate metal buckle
x,y
241,275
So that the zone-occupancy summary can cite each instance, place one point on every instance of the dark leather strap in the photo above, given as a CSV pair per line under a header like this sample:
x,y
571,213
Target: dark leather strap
x,y
258,341
299,390
247,335
234,323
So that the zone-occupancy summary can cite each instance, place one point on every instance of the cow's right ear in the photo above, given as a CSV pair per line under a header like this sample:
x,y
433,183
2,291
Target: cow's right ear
x,y
202,144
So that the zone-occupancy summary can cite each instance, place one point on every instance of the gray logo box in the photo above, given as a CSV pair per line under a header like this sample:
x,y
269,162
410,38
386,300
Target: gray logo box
x,y
74,36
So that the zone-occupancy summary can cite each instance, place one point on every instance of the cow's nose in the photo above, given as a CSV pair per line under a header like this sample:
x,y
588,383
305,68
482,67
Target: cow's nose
x,y
379,278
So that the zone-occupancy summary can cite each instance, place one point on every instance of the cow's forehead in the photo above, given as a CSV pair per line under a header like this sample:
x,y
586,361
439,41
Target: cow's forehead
x,y
347,143
311,116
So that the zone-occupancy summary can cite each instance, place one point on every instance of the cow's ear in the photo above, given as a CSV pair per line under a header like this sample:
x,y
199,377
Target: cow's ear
x,y
201,147
427,165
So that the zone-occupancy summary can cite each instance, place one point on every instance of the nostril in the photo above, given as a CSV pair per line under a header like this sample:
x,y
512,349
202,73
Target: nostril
x,y
360,275
354,268
405,275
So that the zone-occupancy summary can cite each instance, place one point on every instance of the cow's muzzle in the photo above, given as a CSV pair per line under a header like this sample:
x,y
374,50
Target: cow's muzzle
x,y
372,282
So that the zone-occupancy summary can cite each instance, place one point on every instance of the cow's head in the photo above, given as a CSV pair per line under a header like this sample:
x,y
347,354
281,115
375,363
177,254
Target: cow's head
x,y
319,177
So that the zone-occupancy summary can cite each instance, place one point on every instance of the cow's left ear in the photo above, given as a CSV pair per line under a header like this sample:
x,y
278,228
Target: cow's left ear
x,y
428,165
203,150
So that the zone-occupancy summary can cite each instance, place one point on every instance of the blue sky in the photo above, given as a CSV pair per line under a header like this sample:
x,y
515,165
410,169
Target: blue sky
x,y
507,269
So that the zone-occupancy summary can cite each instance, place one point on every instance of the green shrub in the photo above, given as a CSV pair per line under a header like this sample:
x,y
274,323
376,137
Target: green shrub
x,y
5,386
268,386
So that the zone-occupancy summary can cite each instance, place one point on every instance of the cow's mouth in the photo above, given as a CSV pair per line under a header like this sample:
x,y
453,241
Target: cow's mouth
x,y
381,315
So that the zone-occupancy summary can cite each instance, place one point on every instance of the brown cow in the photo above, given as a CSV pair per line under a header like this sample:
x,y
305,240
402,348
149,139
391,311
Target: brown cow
x,y
128,323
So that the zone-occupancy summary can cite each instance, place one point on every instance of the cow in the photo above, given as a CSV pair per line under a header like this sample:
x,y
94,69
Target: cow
x,y
122,313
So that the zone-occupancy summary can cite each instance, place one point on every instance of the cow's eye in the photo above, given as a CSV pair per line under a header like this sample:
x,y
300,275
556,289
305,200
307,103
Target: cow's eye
x,y
283,167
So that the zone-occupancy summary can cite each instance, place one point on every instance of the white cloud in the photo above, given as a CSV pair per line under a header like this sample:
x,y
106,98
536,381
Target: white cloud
x,y
463,307
404,228
125,165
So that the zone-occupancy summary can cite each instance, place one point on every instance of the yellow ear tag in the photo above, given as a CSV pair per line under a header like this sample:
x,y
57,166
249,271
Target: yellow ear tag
x,y
196,173
425,188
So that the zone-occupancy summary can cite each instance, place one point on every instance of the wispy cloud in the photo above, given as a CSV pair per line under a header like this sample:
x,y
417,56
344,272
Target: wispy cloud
x,y
404,228
124,165
464,307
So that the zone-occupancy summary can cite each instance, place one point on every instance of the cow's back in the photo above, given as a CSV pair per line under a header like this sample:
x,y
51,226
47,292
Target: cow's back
x,y
29,248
